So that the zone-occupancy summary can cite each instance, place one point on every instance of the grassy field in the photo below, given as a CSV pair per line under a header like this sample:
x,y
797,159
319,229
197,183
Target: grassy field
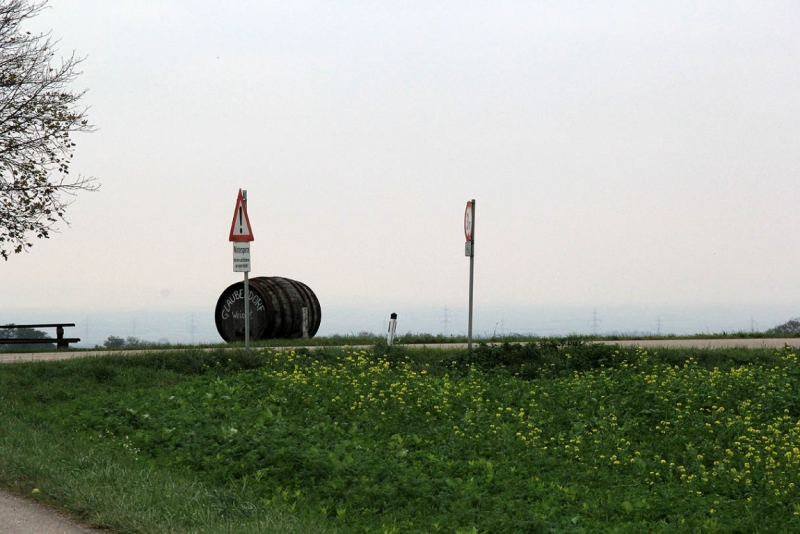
x,y
551,436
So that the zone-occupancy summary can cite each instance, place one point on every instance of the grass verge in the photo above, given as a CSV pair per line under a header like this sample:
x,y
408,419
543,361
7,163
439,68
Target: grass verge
x,y
554,436
109,486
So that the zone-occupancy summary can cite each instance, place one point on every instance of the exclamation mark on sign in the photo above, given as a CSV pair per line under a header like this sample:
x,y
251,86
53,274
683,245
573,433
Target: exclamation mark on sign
x,y
241,231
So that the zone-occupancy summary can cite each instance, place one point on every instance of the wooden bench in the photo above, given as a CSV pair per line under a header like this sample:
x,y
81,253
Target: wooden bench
x,y
60,341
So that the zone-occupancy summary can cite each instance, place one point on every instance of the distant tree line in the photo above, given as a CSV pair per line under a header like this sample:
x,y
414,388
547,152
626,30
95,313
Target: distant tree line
x,y
27,333
792,326
114,342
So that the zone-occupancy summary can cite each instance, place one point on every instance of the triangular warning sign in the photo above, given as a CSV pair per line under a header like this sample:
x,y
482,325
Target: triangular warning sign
x,y
240,227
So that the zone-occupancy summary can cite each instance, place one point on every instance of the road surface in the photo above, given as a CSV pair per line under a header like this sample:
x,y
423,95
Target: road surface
x,y
753,343
21,516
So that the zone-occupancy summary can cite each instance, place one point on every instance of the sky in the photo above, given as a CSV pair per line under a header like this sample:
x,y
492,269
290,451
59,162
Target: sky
x,y
631,158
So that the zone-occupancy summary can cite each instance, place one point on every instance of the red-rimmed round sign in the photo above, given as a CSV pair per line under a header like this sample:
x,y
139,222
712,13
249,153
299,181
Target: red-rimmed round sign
x,y
468,221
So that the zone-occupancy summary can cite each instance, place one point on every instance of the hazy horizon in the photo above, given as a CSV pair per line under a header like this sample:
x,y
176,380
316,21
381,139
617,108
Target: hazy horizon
x,y
197,325
626,155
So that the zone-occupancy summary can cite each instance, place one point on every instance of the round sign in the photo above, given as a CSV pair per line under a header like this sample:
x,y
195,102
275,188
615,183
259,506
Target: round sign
x,y
468,221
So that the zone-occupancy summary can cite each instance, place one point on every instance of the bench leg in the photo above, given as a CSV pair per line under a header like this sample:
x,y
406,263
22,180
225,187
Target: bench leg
x,y
60,344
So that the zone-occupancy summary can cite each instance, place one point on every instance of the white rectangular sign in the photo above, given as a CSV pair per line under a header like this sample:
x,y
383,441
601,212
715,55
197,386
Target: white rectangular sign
x,y
241,257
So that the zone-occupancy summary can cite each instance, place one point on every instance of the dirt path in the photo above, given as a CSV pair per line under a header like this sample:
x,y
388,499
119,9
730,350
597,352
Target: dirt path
x,y
21,516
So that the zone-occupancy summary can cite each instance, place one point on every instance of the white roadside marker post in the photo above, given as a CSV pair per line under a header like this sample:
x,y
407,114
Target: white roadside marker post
x,y
241,235
469,250
392,329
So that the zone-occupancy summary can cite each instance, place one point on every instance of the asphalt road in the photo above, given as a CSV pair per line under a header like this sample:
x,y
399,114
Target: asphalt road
x,y
753,343
21,516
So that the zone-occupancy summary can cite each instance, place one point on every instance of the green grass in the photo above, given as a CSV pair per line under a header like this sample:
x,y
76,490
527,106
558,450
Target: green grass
x,y
107,485
553,436
109,488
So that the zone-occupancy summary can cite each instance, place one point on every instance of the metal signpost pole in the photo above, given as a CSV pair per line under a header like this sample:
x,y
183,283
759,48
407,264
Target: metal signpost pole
x,y
246,293
241,236
469,228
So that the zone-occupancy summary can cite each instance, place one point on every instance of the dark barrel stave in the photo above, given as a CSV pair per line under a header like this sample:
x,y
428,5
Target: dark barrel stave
x,y
276,309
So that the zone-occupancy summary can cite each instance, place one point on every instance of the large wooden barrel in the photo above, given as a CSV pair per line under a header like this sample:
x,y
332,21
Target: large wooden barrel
x,y
276,309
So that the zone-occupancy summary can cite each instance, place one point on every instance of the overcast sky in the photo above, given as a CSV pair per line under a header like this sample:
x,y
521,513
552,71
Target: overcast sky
x,y
621,153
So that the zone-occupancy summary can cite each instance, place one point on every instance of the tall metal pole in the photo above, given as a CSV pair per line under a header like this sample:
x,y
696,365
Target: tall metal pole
x,y
246,294
471,272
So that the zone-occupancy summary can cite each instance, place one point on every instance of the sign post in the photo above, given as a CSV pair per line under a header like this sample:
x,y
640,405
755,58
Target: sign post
x,y
469,250
241,235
